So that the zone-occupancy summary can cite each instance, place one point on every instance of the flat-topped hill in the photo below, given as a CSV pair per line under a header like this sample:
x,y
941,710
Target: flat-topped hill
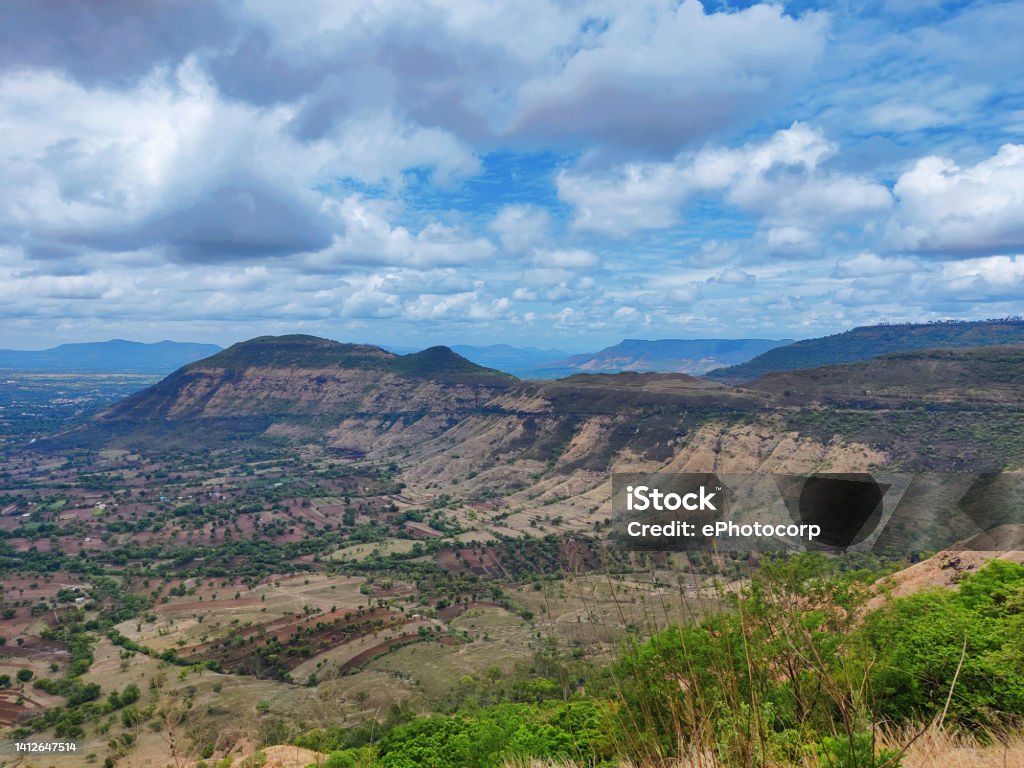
x,y
871,341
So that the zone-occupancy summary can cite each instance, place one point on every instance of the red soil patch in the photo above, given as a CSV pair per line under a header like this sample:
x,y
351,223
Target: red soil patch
x,y
387,646
316,633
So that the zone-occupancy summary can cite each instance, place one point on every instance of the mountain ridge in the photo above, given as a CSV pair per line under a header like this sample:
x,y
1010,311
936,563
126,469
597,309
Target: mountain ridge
x,y
299,387
114,355
866,342
690,356
948,375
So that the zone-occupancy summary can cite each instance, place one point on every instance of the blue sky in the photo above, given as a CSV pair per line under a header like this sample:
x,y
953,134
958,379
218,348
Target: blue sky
x,y
549,173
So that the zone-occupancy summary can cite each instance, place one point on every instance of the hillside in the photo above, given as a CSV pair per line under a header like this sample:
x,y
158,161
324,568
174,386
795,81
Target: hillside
x,y
968,376
299,387
308,352
106,356
871,341
364,401
293,592
692,356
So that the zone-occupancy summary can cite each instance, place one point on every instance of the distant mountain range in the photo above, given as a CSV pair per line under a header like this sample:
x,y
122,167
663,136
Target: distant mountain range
x,y
726,360
116,355
524,362
871,341
692,356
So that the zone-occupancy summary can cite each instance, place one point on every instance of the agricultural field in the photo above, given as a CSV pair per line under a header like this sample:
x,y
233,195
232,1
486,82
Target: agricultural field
x,y
261,582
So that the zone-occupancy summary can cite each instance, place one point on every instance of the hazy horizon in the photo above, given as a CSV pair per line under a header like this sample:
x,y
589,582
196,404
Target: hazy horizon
x,y
397,348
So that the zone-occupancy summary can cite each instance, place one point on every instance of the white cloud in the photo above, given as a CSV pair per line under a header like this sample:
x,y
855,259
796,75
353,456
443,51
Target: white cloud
x,y
459,307
523,294
57,287
368,238
378,148
790,240
869,264
567,259
783,180
650,74
735,276
245,279
520,226
985,277
633,197
171,163
946,208
412,282
659,74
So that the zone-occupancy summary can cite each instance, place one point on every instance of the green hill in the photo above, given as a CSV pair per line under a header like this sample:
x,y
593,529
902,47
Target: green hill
x,y
968,376
308,352
294,351
871,341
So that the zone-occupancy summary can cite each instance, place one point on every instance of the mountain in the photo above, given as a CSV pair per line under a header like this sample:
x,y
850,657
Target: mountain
x,y
300,387
871,341
971,377
563,436
519,361
116,355
548,441
448,418
693,356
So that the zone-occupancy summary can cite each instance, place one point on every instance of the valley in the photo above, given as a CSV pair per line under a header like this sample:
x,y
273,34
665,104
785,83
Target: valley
x,y
296,534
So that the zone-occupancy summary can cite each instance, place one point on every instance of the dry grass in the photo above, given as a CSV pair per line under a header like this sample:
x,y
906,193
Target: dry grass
x,y
935,748
942,749
282,756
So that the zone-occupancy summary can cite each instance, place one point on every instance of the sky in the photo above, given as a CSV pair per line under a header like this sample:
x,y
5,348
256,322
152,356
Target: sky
x,y
547,173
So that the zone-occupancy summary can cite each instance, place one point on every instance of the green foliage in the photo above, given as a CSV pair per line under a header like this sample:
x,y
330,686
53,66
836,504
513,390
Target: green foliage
x,y
857,750
499,734
341,759
919,642
760,683
872,341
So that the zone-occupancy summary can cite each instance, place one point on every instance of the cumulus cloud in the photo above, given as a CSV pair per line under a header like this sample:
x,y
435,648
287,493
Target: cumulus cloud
x,y
985,278
458,307
521,226
734,276
869,264
659,74
368,238
949,209
626,75
241,168
633,197
170,163
783,180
